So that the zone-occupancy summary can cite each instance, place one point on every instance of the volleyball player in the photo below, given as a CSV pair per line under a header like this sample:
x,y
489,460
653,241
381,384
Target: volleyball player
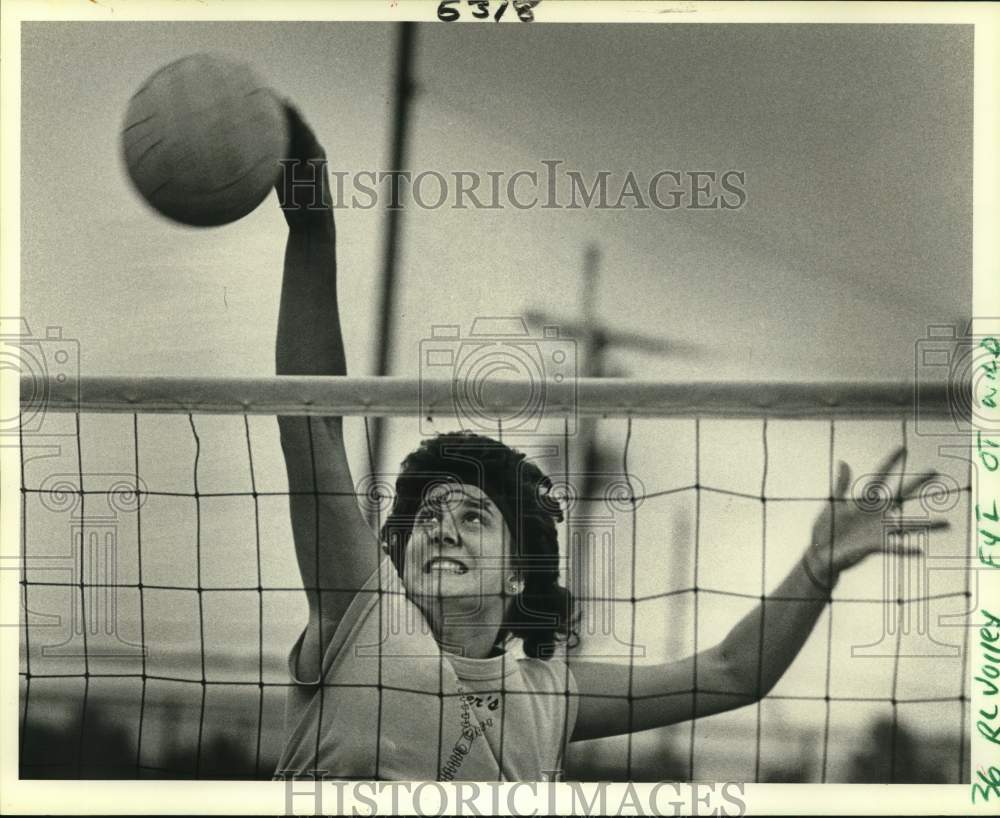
x,y
433,650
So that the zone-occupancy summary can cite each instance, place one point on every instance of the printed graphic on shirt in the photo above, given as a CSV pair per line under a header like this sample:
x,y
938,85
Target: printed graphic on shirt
x,y
472,726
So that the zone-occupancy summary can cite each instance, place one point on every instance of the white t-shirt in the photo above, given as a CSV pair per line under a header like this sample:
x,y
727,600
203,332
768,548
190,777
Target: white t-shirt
x,y
395,706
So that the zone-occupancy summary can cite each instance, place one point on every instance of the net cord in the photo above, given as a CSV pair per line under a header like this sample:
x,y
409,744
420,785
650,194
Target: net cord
x,y
415,397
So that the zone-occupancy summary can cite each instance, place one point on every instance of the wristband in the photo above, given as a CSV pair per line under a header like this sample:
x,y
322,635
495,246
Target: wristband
x,y
812,577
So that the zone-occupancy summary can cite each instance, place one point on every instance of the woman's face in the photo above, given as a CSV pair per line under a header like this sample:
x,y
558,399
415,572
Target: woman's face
x,y
459,545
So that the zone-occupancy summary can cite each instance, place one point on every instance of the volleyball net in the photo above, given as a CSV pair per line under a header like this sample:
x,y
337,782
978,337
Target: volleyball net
x,y
160,593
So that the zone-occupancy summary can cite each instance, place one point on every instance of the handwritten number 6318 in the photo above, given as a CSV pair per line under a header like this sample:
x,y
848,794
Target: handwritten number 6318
x,y
448,10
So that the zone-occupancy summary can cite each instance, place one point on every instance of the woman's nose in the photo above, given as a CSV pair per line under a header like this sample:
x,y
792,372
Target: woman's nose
x,y
445,531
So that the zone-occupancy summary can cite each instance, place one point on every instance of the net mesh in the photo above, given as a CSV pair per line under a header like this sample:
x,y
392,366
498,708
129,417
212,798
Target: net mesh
x,y
154,636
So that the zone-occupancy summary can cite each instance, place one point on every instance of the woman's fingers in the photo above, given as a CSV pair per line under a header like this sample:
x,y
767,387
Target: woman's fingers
x,y
890,462
843,480
908,491
292,112
935,525
303,190
895,540
303,143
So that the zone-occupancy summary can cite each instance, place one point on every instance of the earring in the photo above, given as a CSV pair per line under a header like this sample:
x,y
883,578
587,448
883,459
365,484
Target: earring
x,y
514,585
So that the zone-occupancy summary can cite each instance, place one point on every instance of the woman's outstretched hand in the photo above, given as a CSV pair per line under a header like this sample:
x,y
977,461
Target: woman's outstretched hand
x,y
845,532
303,186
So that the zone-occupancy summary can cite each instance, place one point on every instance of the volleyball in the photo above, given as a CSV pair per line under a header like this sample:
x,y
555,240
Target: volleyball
x,y
202,140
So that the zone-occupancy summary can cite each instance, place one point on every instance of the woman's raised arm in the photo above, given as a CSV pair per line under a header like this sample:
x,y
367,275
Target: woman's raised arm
x,y
335,548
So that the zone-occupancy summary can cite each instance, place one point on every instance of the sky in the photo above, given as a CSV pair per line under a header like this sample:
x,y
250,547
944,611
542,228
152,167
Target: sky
x,y
856,146
855,142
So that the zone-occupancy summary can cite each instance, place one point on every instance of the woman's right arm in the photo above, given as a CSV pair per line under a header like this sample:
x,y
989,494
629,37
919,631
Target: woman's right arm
x,y
336,549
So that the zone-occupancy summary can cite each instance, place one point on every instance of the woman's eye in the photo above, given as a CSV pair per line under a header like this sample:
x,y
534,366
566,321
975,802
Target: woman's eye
x,y
473,516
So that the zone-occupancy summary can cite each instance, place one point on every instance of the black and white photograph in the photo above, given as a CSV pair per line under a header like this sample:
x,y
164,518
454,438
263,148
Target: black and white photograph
x,y
465,392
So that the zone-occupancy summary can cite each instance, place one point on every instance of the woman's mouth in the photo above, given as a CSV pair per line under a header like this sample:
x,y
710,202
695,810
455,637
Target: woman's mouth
x,y
445,565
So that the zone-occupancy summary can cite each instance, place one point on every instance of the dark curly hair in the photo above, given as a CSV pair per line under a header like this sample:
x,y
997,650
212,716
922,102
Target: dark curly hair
x,y
544,613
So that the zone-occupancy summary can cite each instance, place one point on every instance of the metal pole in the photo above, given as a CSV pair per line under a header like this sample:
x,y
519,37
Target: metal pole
x,y
403,94
585,580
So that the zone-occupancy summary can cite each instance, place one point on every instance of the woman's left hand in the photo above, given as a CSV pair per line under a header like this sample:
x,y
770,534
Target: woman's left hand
x,y
845,532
